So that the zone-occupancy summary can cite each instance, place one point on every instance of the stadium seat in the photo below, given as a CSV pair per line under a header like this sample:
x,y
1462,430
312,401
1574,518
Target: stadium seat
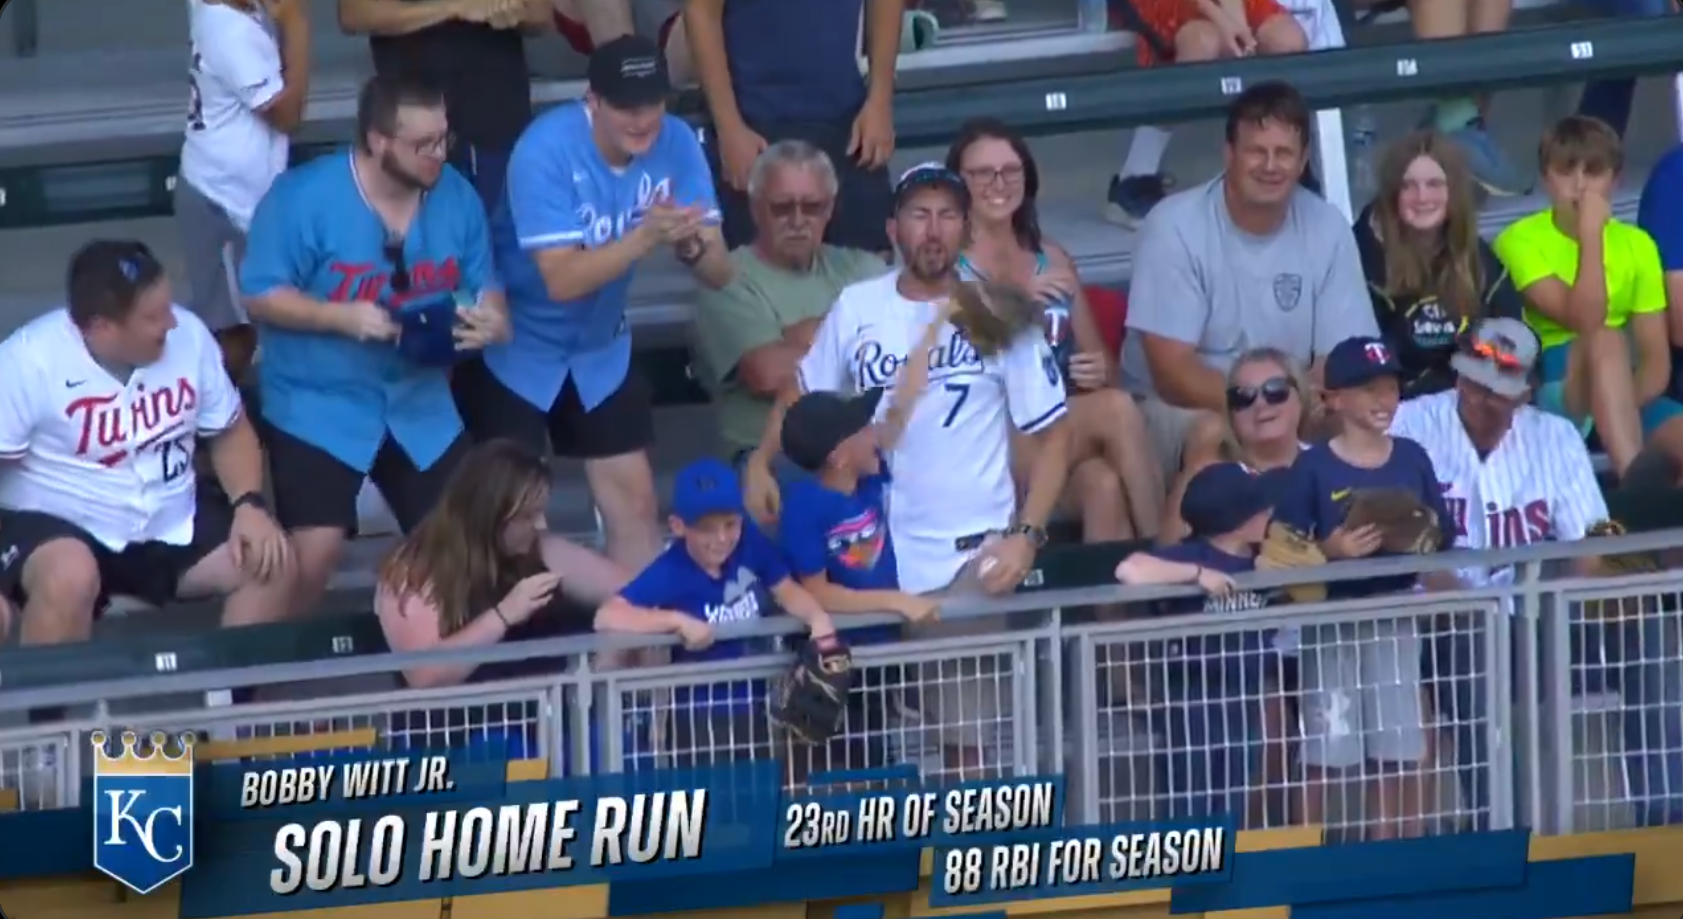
x,y
1110,311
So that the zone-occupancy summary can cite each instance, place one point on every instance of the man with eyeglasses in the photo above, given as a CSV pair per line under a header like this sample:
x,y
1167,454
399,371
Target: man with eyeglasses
x,y
368,271
594,187
1514,475
749,337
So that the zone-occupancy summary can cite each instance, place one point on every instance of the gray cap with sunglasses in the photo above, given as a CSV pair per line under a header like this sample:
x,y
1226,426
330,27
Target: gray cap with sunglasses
x,y
1499,355
1273,391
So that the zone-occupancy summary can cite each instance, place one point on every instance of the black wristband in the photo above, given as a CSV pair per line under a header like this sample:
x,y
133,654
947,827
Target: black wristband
x,y
498,610
252,499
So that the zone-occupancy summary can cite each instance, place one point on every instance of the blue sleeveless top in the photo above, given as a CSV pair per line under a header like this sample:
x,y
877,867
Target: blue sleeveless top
x,y
1059,334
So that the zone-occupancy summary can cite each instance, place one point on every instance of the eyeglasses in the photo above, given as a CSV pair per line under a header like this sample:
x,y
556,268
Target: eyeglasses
x,y
810,208
984,176
1273,391
393,249
1500,353
437,147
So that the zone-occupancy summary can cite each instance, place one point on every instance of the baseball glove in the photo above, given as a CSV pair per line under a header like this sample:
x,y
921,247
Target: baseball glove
x,y
991,315
1609,566
1285,548
811,699
1406,526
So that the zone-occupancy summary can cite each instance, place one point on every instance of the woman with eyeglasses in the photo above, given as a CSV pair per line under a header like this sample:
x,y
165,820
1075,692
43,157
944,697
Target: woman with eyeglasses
x,y
366,272
1116,483
1429,273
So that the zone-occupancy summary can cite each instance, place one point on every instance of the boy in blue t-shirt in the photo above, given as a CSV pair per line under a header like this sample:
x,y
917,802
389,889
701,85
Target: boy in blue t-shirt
x,y
1361,694
1210,691
719,571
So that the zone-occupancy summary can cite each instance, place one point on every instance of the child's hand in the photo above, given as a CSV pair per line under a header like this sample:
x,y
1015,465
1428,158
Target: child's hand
x,y
1357,543
1215,582
916,609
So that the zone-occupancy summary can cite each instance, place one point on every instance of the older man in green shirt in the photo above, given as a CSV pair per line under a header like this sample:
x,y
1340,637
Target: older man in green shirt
x,y
748,337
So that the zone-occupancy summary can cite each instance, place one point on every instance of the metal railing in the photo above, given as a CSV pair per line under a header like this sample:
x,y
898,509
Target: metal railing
x,y
1549,702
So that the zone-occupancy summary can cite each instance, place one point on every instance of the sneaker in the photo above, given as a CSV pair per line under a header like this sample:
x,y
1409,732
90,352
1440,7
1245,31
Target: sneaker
x,y
1491,167
1131,198
987,10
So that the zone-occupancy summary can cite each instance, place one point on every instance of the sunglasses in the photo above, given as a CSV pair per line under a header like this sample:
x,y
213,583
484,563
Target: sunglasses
x,y
1274,391
809,208
393,249
1504,359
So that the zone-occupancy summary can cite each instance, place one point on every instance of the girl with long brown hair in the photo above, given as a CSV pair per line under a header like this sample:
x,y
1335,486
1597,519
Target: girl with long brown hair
x,y
482,568
1429,273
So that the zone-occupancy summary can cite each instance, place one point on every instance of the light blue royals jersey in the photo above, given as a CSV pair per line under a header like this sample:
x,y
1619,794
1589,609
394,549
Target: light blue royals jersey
x,y
315,233
561,193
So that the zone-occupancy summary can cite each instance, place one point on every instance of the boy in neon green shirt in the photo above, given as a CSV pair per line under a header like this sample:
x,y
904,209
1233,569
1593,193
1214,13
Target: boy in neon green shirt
x,y
1595,294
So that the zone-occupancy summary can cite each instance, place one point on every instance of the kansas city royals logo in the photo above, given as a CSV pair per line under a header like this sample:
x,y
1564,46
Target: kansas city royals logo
x,y
143,811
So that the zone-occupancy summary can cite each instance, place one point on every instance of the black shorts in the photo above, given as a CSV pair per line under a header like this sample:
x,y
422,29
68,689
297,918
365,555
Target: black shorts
x,y
150,571
864,197
314,489
622,424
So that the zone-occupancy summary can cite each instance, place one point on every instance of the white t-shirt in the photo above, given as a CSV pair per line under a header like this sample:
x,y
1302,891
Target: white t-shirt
x,y
952,470
1538,485
232,155
113,459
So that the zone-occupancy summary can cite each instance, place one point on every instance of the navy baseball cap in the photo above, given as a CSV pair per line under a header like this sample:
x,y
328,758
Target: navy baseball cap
x,y
1222,498
706,487
930,175
1358,361
818,422
629,72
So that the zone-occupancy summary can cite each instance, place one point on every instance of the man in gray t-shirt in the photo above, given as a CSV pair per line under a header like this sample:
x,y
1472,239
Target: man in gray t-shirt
x,y
1250,259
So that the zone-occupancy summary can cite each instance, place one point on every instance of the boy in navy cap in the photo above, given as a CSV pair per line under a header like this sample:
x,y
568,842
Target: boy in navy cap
x,y
1361,684
1209,690
719,570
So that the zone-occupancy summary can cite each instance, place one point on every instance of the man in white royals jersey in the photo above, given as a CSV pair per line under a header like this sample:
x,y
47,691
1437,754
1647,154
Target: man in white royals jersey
x,y
952,487
102,404
1513,475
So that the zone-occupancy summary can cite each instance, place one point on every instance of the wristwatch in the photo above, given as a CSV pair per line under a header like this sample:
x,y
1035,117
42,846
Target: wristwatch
x,y
252,499
1036,535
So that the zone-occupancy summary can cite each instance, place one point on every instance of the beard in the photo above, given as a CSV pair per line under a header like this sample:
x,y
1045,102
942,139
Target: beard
x,y
403,176
929,263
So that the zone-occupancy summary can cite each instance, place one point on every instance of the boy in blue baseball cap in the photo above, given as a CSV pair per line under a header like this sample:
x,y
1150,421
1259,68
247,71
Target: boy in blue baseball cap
x,y
720,570
1208,691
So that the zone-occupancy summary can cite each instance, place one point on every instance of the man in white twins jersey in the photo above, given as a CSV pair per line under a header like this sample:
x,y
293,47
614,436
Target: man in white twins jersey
x,y
102,403
1514,475
951,484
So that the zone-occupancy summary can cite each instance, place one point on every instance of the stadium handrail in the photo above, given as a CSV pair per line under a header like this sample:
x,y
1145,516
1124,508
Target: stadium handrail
x,y
1528,560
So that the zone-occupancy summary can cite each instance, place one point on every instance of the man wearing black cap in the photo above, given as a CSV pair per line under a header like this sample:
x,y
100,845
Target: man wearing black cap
x,y
472,50
593,187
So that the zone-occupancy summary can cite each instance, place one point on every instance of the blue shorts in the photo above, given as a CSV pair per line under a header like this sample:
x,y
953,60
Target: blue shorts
x,y
1551,394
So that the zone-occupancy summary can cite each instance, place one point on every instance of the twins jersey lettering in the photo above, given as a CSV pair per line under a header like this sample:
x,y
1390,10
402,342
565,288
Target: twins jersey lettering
x,y
952,473
114,459
1537,485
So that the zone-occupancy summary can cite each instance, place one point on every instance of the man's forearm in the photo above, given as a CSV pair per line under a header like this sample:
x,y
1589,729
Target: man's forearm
x,y
771,441
1194,385
1048,474
714,269
704,26
571,274
883,21
291,309
237,458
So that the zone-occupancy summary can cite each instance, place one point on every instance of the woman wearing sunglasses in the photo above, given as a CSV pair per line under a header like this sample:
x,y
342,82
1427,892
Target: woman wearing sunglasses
x,y
1429,272
1265,410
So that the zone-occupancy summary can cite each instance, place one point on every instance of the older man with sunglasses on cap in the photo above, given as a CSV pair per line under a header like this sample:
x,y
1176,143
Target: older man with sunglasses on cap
x,y
1513,475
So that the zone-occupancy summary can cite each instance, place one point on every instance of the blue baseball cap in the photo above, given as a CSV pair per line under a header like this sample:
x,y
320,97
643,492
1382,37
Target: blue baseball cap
x,y
1223,497
706,487
1358,361
930,175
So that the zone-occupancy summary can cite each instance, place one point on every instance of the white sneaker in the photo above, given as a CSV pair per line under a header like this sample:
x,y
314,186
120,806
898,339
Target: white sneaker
x,y
987,10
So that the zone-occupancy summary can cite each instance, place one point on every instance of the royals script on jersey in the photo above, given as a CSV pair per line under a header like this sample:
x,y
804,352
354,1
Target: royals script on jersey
x,y
1537,485
952,469
114,459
